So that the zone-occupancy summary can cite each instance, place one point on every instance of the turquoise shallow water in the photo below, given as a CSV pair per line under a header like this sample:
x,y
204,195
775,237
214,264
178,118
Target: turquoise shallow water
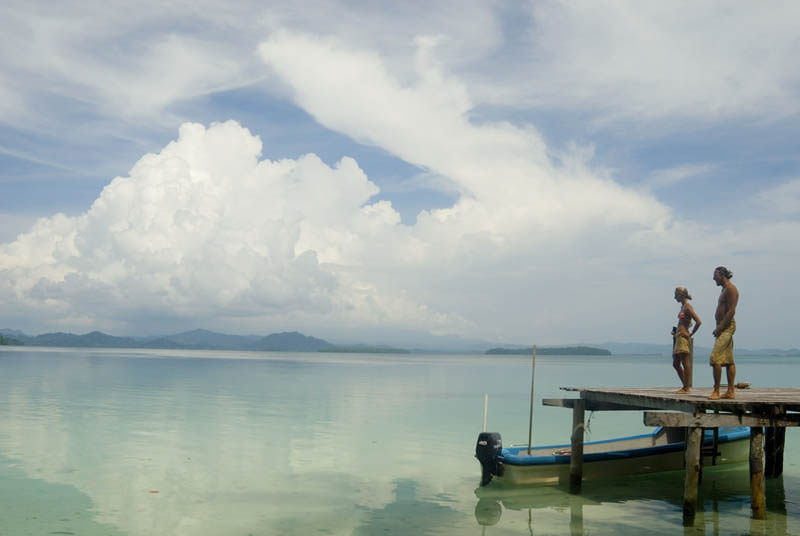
x,y
199,443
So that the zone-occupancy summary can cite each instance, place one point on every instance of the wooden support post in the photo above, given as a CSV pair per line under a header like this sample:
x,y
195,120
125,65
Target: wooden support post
x,y
757,496
774,441
715,447
576,456
769,451
702,457
694,440
780,443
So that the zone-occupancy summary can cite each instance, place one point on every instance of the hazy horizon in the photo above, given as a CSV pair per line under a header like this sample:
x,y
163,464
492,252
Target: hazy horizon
x,y
443,344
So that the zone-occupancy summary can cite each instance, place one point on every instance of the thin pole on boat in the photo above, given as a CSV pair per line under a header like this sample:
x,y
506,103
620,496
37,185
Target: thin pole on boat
x,y
485,408
533,376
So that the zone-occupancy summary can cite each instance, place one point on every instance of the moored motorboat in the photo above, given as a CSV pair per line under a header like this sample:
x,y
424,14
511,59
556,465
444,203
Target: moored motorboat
x,y
661,450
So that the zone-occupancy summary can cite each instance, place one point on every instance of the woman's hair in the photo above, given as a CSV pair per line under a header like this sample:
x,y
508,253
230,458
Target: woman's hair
x,y
682,291
724,271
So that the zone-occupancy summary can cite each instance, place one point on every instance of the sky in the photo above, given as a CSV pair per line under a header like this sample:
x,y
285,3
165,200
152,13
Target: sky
x,y
537,172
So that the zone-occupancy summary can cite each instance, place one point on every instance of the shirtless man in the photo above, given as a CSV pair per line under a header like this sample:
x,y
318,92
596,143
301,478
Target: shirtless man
x,y
722,354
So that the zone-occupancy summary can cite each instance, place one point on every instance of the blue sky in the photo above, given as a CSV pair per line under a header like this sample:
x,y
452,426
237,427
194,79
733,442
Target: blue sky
x,y
538,172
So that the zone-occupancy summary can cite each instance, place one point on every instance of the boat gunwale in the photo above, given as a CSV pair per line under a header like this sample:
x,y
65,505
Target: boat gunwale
x,y
514,458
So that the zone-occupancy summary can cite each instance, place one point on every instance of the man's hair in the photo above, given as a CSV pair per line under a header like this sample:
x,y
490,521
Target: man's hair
x,y
724,271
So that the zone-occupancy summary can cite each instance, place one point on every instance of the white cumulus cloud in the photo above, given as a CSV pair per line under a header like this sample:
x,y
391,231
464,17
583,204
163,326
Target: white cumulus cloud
x,y
202,229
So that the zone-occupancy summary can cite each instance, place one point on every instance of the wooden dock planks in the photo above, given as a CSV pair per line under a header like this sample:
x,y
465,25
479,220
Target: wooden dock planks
x,y
763,400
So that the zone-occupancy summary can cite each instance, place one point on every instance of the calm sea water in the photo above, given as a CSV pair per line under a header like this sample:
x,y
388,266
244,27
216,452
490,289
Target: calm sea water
x,y
113,442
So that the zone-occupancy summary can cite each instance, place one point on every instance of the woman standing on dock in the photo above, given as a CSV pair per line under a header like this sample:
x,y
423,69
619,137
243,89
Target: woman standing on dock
x,y
682,345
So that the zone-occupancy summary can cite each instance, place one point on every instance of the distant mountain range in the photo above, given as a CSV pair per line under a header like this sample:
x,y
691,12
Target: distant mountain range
x,y
199,339
202,339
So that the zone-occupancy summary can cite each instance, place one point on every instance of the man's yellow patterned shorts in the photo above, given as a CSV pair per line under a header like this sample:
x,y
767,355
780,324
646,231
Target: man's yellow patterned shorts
x,y
722,354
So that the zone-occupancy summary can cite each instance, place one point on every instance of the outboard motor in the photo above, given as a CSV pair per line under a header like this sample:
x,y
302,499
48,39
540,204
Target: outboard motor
x,y
487,451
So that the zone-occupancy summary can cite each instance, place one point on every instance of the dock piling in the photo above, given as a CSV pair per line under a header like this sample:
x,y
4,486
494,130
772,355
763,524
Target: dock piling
x,y
694,440
576,452
757,495
774,440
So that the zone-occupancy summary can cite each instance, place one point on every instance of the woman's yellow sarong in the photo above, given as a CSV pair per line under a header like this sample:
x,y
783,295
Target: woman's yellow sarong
x,y
681,345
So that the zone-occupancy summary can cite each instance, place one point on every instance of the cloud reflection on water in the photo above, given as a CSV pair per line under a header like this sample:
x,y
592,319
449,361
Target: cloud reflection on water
x,y
209,446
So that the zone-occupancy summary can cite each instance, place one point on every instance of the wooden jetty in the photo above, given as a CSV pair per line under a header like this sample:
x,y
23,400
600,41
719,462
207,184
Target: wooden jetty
x,y
770,409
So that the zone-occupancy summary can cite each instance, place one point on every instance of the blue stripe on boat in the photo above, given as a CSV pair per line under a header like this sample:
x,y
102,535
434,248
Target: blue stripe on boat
x,y
519,456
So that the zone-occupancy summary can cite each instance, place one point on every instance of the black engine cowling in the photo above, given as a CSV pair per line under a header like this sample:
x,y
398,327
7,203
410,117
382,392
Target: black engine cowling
x,y
487,451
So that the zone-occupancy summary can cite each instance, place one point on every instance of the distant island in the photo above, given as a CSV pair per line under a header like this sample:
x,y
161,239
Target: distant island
x,y
566,350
